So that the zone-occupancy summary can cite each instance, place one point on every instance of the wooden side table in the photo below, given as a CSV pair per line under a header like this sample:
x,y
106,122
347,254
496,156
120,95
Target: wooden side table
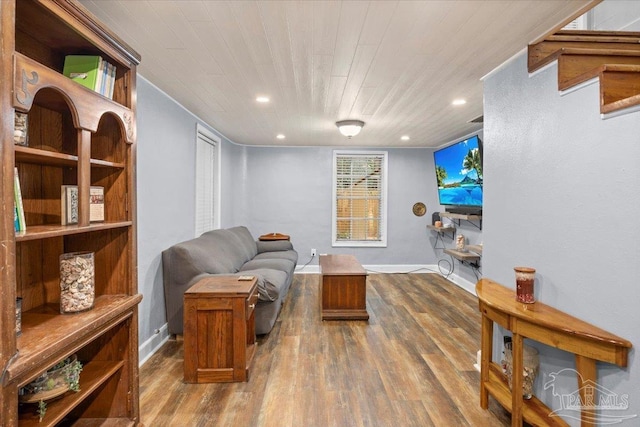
x,y
552,327
343,288
219,329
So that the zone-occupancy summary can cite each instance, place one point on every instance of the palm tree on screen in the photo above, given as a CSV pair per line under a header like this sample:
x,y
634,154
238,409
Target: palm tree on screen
x,y
472,161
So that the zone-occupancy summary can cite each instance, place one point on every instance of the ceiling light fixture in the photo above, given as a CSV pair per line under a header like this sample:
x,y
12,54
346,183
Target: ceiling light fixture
x,y
459,101
405,137
280,136
262,99
350,128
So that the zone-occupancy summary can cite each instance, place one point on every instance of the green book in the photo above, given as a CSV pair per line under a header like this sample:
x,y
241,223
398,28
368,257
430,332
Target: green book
x,y
84,69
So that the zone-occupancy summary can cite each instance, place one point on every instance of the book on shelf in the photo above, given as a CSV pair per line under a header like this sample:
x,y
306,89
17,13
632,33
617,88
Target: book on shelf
x,y
91,71
16,222
19,222
83,69
69,204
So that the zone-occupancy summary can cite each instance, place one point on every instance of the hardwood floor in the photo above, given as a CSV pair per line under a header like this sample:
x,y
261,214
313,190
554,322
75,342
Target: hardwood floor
x,y
411,364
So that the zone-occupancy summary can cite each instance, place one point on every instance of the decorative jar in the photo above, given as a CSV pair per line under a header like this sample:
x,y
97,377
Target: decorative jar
x,y
525,277
530,366
77,282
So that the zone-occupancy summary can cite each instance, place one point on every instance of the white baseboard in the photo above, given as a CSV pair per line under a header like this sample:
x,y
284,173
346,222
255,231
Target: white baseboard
x,y
396,268
373,269
463,283
153,344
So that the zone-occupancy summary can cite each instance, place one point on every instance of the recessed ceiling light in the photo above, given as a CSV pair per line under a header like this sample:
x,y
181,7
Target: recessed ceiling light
x,y
405,137
280,136
262,99
459,101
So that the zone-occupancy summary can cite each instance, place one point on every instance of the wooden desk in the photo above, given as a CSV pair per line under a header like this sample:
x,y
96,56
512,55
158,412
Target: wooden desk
x,y
549,326
343,288
219,329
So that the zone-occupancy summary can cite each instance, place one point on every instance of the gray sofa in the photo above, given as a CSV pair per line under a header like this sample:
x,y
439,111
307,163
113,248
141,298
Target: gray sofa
x,y
234,252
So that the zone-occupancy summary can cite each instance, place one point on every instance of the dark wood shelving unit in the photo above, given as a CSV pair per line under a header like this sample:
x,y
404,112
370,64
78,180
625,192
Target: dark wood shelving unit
x,y
75,137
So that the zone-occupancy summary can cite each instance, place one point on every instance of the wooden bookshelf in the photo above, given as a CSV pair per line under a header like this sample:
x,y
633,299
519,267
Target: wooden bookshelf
x,y
75,137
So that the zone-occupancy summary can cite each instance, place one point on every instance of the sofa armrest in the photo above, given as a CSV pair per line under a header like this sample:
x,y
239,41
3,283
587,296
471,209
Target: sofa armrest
x,y
273,245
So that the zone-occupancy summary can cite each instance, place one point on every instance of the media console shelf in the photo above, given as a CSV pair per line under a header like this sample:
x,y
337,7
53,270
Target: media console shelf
x,y
465,217
549,326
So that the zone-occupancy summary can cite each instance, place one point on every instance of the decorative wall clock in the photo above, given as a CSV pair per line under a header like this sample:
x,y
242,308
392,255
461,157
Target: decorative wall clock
x,y
419,209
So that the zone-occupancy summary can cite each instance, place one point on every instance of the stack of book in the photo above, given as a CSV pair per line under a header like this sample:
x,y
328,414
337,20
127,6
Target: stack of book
x,y
91,71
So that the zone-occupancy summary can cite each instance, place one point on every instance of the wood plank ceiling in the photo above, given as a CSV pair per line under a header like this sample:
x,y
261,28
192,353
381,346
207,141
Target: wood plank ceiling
x,y
396,65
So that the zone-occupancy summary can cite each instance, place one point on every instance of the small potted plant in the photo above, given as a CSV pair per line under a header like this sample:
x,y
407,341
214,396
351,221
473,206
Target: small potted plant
x,y
57,380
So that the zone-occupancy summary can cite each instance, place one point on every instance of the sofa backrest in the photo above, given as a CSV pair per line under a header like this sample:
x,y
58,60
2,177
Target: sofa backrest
x,y
246,242
231,250
214,252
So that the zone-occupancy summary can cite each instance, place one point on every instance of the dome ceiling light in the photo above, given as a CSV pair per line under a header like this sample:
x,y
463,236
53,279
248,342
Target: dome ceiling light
x,y
350,128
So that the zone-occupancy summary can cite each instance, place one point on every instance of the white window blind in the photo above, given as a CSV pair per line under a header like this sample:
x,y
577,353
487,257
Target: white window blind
x,y
207,180
359,198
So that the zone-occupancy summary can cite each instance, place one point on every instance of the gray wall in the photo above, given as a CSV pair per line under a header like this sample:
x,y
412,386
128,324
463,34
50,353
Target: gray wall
x,y
560,190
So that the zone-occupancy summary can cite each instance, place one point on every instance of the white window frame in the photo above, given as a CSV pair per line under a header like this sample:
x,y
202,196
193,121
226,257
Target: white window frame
x,y
383,202
205,171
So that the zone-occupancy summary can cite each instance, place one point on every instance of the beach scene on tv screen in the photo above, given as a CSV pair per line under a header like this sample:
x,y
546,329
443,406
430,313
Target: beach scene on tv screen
x,y
459,174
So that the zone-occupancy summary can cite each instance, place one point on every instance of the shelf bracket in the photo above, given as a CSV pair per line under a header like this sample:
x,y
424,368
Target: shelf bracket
x,y
440,237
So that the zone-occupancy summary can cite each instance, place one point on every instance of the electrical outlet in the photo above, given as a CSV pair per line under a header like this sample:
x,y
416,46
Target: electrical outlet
x,y
313,252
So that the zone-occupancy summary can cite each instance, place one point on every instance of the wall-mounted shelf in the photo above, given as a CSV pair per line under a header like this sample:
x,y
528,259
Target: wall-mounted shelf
x,y
475,248
462,256
440,233
465,217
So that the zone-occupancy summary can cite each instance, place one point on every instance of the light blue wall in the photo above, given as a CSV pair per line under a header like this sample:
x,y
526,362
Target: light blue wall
x,y
288,190
165,194
560,196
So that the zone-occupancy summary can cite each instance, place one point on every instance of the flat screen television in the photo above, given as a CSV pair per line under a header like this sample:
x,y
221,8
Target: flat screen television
x,y
459,176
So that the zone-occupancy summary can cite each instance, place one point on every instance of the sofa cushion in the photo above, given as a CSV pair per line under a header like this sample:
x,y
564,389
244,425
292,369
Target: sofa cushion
x,y
290,255
270,282
273,245
276,264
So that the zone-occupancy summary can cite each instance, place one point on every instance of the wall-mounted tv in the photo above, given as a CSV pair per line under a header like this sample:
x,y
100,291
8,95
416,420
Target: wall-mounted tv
x,y
459,176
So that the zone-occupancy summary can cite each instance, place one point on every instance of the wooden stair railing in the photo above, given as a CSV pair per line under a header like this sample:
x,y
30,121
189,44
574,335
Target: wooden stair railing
x,y
547,51
611,56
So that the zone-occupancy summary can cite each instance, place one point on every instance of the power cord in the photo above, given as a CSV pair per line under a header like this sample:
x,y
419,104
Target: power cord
x,y
309,262
401,272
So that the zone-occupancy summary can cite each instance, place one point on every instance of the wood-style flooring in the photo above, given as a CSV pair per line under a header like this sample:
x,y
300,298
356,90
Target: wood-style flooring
x,y
411,364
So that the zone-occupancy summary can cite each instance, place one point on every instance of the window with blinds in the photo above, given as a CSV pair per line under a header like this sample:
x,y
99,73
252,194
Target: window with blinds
x,y
207,181
359,198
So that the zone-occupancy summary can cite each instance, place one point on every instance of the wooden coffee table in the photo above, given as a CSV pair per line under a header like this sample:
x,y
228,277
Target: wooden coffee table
x,y
343,288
